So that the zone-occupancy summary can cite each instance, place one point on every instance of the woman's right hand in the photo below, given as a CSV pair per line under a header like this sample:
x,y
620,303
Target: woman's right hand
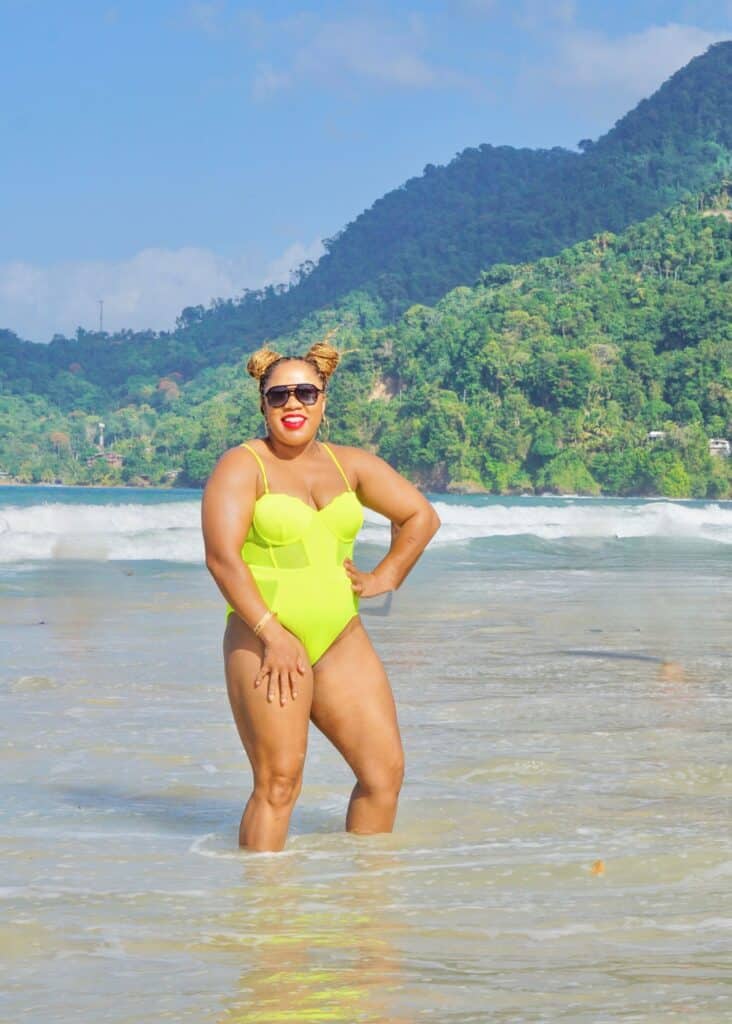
x,y
283,662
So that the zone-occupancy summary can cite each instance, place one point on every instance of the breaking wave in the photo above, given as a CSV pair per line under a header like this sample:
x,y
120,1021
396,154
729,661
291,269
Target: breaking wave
x,y
169,530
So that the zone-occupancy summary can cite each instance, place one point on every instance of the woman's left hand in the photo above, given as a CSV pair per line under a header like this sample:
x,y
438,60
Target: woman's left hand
x,y
365,584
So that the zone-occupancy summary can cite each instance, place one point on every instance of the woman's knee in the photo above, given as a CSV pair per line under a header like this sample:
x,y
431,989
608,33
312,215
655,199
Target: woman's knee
x,y
385,778
281,788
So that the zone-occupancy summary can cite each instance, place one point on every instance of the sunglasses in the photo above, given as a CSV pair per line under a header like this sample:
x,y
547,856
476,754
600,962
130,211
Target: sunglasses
x,y
279,394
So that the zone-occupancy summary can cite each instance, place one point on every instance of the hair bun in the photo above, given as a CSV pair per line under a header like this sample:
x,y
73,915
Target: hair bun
x,y
324,356
260,361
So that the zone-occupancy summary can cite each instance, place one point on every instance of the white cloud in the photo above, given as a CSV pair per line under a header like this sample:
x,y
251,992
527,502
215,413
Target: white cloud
x,y
306,46
633,66
146,291
281,268
381,51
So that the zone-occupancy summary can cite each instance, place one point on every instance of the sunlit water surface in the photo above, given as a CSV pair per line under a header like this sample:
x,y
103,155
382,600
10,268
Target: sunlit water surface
x,y
562,851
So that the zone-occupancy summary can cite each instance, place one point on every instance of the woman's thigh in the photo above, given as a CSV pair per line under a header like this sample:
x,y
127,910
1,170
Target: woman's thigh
x,y
353,705
274,736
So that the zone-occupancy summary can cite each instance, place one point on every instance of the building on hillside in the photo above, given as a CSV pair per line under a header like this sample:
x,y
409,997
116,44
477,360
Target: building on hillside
x,y
112,458
719,446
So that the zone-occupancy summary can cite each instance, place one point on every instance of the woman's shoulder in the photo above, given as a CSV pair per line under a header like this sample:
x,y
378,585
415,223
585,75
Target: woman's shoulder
x,y
358,461
235,473
243,450
347,454
237,460
257,443
353,453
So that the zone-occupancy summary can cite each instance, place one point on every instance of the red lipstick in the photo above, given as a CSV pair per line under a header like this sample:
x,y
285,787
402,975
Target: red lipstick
x,y
293,422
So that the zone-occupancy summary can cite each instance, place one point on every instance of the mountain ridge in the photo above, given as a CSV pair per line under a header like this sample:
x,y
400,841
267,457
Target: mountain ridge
x,y
490,204
604,369
172,407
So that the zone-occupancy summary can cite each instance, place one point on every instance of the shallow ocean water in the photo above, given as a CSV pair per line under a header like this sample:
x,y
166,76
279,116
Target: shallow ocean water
x,y
562,851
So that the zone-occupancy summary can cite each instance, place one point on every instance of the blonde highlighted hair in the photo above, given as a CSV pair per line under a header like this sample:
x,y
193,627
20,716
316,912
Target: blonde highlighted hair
x,y
320,355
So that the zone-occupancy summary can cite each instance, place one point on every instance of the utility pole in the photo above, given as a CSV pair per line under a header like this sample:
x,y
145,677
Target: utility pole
x,y
101,315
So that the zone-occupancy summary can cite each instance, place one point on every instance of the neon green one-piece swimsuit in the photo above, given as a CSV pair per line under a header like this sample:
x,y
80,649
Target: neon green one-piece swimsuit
x,y
295,554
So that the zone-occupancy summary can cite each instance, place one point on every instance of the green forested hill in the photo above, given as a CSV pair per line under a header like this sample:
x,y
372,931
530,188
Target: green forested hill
x,y
499,204
542,376
489,205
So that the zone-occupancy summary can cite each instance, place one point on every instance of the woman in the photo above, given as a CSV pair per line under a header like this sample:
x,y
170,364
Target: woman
x,y
280,515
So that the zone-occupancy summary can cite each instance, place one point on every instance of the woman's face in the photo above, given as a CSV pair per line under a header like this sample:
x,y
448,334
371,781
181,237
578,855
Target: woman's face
x,y
293,423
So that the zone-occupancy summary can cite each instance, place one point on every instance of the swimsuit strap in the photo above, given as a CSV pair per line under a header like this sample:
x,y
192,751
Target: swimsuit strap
x,y
261,466
266,491
340,467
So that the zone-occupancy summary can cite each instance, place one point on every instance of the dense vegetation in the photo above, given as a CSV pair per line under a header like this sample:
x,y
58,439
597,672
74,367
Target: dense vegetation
x,y
545,376
440,230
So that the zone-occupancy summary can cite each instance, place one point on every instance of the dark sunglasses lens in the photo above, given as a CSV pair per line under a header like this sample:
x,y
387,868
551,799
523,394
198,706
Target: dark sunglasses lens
x,y
307,394
277,396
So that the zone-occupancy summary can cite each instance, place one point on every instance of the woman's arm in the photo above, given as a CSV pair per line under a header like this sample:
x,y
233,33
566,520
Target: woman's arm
x,y
414,522
226,515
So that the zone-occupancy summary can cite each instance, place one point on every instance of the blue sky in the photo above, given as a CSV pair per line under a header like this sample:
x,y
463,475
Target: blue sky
x,y
159,154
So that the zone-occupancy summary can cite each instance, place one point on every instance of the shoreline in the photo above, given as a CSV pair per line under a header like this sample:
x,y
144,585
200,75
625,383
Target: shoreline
x,y
102,761
439,495
100,487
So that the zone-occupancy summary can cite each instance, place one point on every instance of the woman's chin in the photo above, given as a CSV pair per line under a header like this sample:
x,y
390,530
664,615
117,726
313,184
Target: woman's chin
x,y
293,436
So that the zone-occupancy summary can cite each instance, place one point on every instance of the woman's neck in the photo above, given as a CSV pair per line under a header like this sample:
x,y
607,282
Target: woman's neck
x,y
290,452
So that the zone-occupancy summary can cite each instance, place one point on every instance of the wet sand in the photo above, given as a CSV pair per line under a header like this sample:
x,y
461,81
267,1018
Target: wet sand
x,y
562,851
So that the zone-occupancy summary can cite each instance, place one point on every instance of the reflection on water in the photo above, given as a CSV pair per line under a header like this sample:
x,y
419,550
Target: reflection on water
x,y
313,951
562,851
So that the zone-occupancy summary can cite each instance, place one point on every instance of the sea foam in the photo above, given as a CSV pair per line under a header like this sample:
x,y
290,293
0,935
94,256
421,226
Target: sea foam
x,y
569,518
170,530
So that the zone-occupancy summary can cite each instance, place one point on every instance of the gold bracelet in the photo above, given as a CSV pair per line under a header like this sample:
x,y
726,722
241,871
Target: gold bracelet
x,y
263,622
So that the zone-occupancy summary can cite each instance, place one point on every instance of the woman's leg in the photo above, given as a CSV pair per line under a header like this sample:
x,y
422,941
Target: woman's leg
x,y
353,706
274,737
